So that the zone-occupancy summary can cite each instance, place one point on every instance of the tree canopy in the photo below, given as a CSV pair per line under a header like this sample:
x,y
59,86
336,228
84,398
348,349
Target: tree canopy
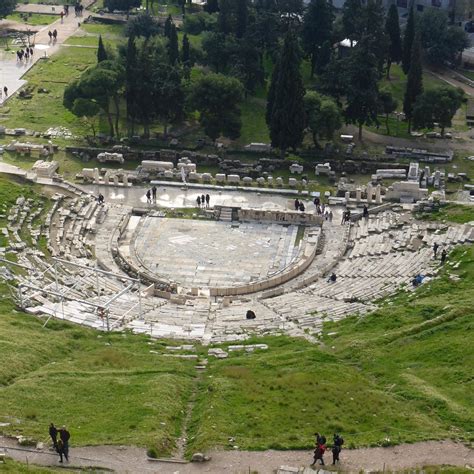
x,y
7,7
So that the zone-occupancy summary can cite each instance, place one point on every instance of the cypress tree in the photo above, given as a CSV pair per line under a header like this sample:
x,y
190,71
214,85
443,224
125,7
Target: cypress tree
x,y
287,115
168,23
212,6
101,52
173,48
224,22
375,30
186,50
414,81
352,19
242,18
408,41
317,29
131,84
392,28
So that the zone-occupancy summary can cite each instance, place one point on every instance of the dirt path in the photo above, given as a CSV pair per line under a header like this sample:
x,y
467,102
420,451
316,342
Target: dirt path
x,y
123,459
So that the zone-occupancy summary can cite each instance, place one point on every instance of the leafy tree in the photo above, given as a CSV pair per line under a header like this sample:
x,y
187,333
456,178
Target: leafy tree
x,y
216,97
101,52
88,110
173,48
212,6
442,44
317,29
122,5
265,30
408,39
248,67
285,109
387,105
334,78
437,105
219,49
414,85
7,7
142,25
352,19
392,28
241,18
323,116
362,86
324,57
196,23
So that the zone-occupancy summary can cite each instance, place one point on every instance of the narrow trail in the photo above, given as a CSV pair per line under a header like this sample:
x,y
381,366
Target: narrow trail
x,y
129,459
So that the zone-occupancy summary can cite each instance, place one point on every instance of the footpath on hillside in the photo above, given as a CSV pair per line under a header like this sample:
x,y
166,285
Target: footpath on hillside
x,y
128,459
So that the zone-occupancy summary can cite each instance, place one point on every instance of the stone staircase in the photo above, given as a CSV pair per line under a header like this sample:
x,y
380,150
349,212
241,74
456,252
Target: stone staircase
x,y
225,214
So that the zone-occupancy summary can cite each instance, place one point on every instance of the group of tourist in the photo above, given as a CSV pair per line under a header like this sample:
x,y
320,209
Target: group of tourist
x,y
321,447
346,216
61,444
151,195
444,253
24,54
299,205
53,35
203,201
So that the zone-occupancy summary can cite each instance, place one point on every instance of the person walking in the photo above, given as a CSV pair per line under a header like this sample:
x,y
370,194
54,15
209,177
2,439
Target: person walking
x,y
297,205
336,449
53,433
319,449
55,35
203,200
50,36
148,197
60,450
153,192
208,198
302,208
444,254
62,17
435,250
365,212
198,200
64,437
5,91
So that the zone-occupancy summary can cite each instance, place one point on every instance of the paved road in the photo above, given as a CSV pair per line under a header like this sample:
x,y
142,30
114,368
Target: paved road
x,y
12,71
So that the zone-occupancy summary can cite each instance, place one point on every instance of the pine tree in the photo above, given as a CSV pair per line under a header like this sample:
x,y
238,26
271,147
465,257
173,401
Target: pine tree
x,y
414,81
408,41
242,18
101,52
168,23
287,116
317,29
392,28
173,48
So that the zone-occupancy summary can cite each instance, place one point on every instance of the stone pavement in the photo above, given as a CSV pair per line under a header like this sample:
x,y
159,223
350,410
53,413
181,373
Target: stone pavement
x,y
12,71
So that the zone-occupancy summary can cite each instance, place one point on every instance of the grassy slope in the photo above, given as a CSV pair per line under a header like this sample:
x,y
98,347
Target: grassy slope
x,y
452,213
398,374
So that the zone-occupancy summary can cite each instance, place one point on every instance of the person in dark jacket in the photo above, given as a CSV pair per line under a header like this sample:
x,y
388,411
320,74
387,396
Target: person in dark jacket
x,y
336,449
53,432
64,436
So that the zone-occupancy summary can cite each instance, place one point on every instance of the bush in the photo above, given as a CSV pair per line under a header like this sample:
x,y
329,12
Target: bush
x,y
152,453
196,24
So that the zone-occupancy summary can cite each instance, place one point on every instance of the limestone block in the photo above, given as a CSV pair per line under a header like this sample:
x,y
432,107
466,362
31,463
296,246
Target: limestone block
x,y
279,181
292,182
149,165
220,177
247,180
206,177
233,178
168,174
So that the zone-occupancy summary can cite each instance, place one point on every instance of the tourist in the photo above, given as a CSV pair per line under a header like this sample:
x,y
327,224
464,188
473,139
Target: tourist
x,y
31,51
66,9
365,212
62,17
316,202
148,197
153,191
203,200
5,91
336,449
435,250
348,215
330,216
297,204
101,199
61,450
64,436
55,35
320,449
198,200
343,220
53,432
208,198
302,208
443,255
50,36
332,278
250,314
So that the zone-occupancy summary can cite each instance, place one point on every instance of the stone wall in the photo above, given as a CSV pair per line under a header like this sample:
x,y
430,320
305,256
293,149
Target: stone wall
x,y
280,217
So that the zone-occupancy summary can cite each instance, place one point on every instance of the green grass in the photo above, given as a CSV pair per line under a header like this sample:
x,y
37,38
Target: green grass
x,y
88,35
13,467
46,110
33,19
254,127
451,213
